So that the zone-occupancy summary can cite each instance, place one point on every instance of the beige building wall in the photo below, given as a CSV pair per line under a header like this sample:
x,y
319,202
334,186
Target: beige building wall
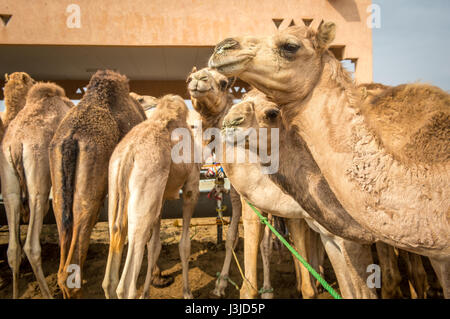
x,y
182,23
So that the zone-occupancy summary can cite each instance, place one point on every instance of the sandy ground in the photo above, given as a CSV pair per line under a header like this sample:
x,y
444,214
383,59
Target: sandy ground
x,y
206,260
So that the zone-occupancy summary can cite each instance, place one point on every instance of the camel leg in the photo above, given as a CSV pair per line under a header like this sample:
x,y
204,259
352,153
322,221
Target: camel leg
x,y
252,238
88,199
339,265
38,182
358,257
298,274
417,277
190,196
266,251
230,244
153,250
12,199
316,254
299,230
442,269
118,231
143,217
390,274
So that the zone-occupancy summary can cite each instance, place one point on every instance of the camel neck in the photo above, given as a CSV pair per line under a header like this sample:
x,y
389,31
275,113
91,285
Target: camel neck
x,y
212,119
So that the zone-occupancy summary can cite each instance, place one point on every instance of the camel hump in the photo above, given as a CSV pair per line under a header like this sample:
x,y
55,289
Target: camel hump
x,y
44,90
172,108
412,121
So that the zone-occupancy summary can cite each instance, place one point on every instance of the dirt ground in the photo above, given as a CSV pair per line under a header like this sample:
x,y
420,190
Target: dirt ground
x,y
206,260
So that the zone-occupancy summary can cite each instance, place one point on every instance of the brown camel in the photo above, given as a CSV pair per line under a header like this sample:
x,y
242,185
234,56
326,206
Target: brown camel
x,y
25,173
386,159
79,156
210,98
15,91
349,259
142,177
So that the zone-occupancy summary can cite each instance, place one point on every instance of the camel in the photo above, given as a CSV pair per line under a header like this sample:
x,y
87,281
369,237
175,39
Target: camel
x,y
210,98
25,174
209,92
349,258
385,159
147,102
17,85
142,177
388,260
79,156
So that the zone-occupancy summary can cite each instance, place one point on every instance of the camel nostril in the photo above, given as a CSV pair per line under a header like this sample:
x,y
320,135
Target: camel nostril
x,y
226,45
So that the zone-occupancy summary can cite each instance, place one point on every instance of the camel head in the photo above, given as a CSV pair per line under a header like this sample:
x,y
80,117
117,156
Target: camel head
x,y
254,111
146,101
209,91
18,83
285,66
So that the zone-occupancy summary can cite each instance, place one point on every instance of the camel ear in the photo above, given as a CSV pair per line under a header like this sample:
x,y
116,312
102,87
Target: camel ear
x,y
325,34
194,69
6,77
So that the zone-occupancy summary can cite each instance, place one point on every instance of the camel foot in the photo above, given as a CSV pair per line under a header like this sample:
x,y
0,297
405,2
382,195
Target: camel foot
x,y
267,295
188,295
162,281
221,285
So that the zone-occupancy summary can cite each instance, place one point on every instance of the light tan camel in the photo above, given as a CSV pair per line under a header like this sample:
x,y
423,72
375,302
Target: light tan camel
x,y
388,260
79,156
147,102
349,259
210,97
142,176
386,160
211,100
25,174
15,91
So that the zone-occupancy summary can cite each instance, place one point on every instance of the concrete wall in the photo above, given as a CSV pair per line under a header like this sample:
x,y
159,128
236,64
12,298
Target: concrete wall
x,y
182,22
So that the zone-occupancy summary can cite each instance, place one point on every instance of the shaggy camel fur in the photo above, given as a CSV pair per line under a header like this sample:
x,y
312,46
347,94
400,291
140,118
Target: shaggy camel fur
x,y
142,177
17,85
349,259
386,160
79,156
25,173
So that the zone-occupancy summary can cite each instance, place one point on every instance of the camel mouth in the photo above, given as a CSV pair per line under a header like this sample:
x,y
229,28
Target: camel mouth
x,y
197,92
229,66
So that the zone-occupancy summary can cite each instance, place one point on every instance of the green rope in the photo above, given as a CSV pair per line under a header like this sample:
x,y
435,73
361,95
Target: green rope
x,y
296,254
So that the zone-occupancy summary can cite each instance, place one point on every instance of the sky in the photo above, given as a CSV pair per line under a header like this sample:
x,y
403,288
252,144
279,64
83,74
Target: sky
x,y
412,43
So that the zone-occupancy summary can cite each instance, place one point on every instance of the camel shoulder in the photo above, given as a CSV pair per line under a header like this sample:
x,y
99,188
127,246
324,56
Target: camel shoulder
x,y
411,121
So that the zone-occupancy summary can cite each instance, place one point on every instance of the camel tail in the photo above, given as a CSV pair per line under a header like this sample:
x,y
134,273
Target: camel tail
x,y
69,154
16,153
119,208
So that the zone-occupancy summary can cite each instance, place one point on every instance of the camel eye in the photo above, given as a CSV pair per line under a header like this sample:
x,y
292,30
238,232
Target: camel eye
x,y
272,114
140,100
223,84
290,47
